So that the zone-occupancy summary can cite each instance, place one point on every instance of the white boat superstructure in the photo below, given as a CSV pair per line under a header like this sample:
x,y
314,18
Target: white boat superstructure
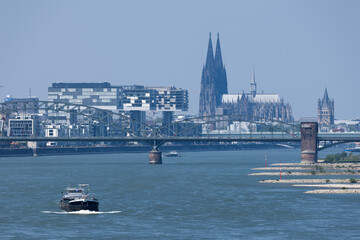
x,y
78,198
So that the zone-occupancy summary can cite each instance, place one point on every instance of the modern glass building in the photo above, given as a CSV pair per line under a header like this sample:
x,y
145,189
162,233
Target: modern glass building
x,y
133,101
126,98
101,95
137,98
171,99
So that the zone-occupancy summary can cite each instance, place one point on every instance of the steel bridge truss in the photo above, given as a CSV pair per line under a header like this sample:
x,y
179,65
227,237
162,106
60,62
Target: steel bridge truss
x,y
219,125
116,124
120,124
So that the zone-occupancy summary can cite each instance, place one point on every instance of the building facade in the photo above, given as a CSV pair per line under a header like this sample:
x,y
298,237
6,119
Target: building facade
x,y
137,98
23,118
124,98
23,126
101,95
326,114
171,98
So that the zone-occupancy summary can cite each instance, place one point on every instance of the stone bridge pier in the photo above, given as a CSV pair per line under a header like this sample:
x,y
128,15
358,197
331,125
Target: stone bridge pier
x,y
309,131
155,156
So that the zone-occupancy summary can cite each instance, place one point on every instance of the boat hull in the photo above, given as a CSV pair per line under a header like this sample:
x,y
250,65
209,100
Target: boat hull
x,y
172,155
80,205
353,150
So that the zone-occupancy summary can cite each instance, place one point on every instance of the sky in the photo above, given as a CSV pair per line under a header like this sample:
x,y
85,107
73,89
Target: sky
x,y
297,48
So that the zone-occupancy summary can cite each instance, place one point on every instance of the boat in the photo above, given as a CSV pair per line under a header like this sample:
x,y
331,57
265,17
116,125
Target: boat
x,y
172,154
355,149
78,198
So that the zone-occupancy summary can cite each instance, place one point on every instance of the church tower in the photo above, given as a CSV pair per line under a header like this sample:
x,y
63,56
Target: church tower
x,y
213,81
326,110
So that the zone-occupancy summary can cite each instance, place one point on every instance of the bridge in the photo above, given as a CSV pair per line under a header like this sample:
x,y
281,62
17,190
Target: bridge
x,y
122,128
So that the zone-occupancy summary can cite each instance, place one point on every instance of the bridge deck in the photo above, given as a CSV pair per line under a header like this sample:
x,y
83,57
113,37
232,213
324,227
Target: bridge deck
x,y
246,137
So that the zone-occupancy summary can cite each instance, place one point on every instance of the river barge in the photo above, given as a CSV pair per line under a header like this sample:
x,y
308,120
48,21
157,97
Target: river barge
x,y
78,198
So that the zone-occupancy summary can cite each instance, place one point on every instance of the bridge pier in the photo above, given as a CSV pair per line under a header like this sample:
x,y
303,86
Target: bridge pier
x,y
309,131
155,156
33,146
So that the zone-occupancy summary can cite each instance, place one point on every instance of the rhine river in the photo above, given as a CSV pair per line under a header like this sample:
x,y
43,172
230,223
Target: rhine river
x,y
200,195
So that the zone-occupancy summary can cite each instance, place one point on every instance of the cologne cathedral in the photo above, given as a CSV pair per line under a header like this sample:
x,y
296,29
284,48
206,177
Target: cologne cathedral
x,y
215,99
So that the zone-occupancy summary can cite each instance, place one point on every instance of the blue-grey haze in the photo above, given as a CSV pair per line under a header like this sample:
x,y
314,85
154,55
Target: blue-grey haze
x,y
297,47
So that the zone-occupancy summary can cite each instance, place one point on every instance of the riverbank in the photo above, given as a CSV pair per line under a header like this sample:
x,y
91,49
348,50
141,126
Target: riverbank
x,y
289,181
334,191
319,164
312,167
323,184
342,186
77,150
319,173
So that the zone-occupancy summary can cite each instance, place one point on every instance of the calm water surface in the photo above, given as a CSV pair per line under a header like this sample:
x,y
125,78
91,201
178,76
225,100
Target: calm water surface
x,y
201,195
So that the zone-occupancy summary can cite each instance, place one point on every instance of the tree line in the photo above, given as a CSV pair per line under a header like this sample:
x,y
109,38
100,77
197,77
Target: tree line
x,y
342,157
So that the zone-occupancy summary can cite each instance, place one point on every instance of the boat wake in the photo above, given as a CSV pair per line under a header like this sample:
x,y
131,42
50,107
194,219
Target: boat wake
x,y
82,212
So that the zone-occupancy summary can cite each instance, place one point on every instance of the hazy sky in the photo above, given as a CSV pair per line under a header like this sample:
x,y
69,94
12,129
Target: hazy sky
x,y
297,47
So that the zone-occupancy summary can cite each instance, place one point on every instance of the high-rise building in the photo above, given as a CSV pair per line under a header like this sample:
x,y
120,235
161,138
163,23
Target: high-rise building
x,y
132,100
100,95
170,98
213,81
125,98
325,110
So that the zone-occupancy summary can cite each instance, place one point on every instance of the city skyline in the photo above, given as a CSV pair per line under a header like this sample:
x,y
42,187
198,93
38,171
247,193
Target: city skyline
x,y
297,48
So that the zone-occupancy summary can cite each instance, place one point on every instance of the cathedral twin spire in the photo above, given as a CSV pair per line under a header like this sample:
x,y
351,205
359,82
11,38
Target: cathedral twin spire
x,y
213,80
218,57
212,61
210,54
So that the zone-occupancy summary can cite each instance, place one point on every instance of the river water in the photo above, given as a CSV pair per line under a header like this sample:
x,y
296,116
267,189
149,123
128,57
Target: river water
x,y
200,195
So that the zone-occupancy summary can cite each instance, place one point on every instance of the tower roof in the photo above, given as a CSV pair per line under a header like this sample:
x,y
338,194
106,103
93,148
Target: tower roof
x,y
253,76
218,57
325,99
253,83
210,54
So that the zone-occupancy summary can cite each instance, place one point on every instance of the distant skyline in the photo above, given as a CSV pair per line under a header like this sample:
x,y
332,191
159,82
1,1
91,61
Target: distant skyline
x,y
296,47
